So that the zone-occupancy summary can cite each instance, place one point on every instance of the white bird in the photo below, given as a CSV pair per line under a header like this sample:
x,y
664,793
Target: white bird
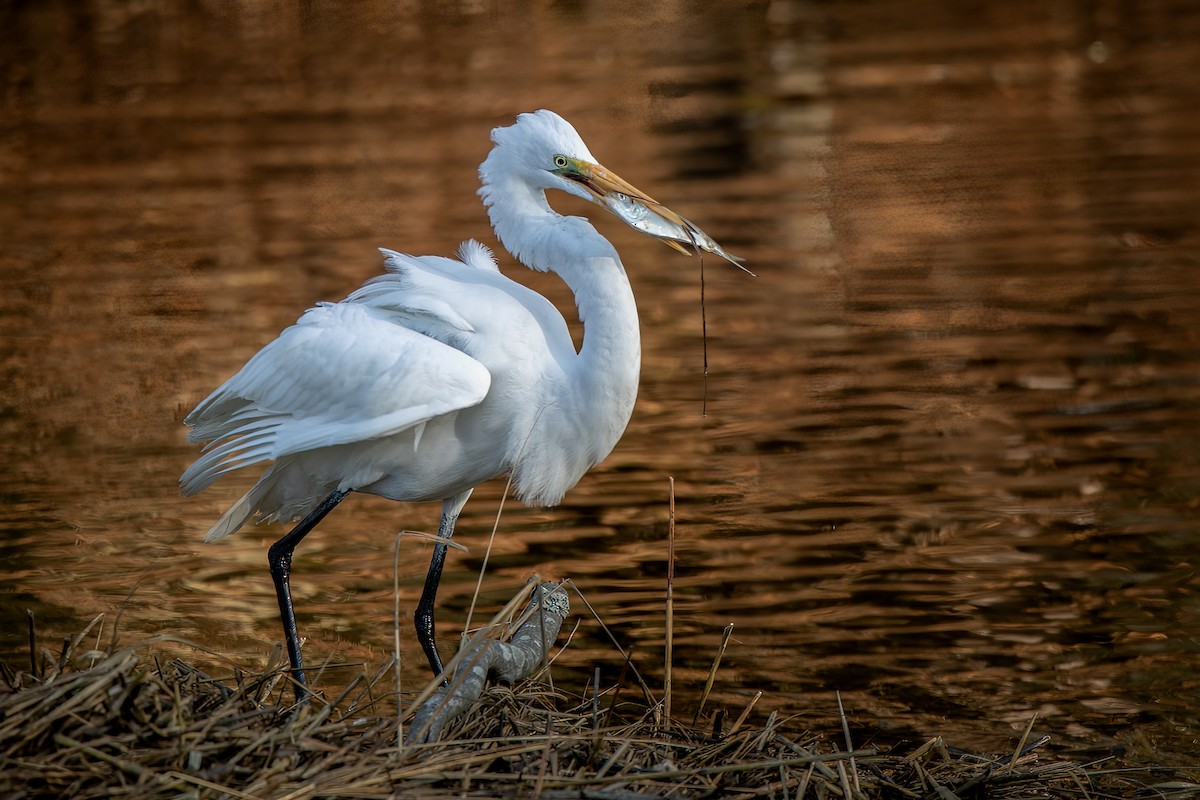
x,y
441,374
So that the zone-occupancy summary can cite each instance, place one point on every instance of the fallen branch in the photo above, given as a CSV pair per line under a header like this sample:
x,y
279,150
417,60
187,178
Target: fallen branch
x,y
484,656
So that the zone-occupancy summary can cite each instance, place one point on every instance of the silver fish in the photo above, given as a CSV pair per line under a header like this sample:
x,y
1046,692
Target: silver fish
x,y
637,209
644,215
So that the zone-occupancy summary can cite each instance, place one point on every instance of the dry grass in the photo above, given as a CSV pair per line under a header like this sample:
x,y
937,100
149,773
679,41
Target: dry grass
x,y
127,725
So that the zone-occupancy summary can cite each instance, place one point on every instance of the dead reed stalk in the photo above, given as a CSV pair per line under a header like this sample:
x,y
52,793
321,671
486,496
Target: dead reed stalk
x,y
122,722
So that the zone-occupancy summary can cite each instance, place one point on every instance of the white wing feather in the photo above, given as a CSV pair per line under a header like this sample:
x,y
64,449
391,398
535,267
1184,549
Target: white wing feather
x,y
343,373
421,293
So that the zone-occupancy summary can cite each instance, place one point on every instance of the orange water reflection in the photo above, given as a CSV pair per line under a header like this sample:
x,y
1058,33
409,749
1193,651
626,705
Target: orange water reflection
x,y
949,466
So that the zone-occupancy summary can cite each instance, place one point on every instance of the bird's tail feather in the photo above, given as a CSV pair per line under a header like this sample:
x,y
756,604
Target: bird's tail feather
x,y
240,512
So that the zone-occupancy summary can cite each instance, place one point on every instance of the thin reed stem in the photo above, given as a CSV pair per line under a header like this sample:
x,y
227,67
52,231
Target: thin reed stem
x,y
668,658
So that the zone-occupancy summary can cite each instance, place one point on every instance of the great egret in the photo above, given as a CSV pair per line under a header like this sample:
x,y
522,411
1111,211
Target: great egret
x,y
442,374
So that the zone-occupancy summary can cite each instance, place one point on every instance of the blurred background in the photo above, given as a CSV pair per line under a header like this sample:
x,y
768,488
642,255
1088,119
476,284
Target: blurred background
x,y
949,465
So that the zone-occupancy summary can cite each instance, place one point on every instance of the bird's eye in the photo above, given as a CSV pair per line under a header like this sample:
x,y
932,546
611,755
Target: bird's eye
x,y
560,162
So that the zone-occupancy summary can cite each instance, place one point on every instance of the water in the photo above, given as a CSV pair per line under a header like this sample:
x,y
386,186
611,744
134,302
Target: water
x,y
949,465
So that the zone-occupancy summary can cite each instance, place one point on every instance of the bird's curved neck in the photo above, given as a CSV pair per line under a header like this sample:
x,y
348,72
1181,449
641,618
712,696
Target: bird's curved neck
x,y
544,240
605,374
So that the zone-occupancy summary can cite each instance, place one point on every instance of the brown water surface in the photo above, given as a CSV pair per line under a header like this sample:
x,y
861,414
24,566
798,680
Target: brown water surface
x,y
950,461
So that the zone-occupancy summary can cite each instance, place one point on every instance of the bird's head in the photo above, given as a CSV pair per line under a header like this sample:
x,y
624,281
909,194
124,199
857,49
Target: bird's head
x,y
543,151
538,150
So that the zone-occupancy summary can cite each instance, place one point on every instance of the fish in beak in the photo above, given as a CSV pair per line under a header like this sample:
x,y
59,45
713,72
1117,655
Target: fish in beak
x,y
639,210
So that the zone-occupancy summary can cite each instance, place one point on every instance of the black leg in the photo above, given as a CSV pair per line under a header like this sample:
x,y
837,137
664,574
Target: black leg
x,y
280,559
423,618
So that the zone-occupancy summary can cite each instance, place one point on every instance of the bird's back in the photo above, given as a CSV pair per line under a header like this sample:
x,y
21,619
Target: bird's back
x,y
421,384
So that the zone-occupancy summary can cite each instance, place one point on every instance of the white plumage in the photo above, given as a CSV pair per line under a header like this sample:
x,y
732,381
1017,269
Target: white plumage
x,y
440,373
